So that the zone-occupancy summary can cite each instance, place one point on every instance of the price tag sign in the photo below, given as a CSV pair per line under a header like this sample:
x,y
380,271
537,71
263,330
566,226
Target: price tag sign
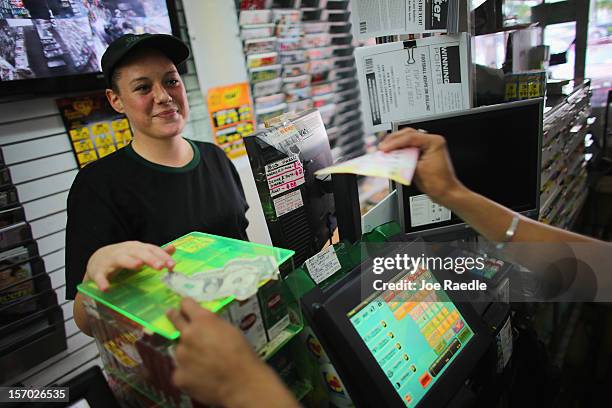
x,y
323,265
284,175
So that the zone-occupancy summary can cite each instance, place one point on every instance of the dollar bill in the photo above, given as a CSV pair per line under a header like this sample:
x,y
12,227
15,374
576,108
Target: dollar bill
x,y
239,277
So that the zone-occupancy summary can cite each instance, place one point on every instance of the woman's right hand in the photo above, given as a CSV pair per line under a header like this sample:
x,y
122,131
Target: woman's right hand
x,y
126,255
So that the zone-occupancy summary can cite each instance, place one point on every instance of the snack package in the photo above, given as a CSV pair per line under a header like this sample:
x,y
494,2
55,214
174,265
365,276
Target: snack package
x,y
246,315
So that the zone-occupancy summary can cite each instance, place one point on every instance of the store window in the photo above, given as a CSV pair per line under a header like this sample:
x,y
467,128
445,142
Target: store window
x,y
599,50
518,11
490,50
560,38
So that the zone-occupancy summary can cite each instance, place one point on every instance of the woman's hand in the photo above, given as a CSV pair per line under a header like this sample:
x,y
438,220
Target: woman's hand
x,y
434,173
126,255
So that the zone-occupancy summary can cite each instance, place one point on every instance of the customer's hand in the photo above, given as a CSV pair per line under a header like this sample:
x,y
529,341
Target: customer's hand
x,y
434,173
126,255
215,364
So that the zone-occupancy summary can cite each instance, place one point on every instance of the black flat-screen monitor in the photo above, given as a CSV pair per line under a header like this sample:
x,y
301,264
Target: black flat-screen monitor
x,y
395,347
496,152
298,207
56,46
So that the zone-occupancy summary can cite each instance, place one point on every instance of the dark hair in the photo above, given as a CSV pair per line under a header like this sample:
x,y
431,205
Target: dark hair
x,y
115,80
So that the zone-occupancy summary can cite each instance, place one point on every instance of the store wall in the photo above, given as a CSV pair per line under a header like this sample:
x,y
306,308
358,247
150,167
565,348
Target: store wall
x,y
219,60
37,150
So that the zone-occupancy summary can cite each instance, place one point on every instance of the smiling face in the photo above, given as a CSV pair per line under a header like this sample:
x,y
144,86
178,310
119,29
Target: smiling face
x,y
150,92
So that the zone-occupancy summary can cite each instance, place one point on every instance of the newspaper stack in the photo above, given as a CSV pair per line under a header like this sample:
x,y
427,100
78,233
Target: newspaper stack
x,y
374,18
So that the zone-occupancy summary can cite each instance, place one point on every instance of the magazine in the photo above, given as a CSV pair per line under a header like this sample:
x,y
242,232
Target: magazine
x,y
377,18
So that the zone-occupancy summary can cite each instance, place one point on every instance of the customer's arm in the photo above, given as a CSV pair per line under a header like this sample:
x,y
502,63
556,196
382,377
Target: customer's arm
x,y
435,177
216,366
561,260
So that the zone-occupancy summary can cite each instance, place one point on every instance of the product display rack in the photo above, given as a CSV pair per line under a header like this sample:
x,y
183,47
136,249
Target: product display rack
x,y
563,183
299,55
31,321
144,361
136,340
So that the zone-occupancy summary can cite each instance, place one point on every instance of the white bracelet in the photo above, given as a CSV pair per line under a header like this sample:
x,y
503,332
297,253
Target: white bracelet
x,y
509,232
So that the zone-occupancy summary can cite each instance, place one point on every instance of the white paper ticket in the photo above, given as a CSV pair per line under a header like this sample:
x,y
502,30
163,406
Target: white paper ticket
x,y
323,265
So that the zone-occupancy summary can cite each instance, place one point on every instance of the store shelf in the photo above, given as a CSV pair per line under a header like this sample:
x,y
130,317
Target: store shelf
x,y
563,174
301,389
279,341
573,217
319,44
563,343
150,394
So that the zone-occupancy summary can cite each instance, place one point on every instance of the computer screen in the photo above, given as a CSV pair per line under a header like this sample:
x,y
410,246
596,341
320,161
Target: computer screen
x,y
298,208
413,335
495,151
53,45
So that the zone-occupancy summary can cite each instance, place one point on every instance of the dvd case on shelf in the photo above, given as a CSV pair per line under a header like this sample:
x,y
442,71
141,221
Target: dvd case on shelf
x,y
11,216
14,235
5,177
8,197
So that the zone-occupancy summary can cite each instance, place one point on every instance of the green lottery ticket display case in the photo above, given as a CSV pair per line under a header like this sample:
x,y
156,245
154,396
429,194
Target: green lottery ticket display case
x,y
237,280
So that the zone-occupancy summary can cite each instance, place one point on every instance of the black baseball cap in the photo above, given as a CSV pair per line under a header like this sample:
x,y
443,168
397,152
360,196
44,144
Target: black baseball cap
x,y
172,47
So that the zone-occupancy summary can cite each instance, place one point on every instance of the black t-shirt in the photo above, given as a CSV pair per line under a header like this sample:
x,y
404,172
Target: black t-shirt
x,y
124,197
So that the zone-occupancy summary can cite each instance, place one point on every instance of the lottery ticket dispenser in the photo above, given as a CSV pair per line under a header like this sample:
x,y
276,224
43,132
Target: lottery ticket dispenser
x,y
396,348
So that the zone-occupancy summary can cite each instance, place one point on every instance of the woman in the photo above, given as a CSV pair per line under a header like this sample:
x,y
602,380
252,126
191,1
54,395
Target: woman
x,y
158,188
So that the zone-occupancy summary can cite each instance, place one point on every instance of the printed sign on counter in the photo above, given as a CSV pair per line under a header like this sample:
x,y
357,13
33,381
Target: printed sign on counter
x,y
323,265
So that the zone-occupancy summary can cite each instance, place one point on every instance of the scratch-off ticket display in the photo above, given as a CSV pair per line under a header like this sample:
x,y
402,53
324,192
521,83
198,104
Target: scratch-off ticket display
x,y
231,117
94,127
